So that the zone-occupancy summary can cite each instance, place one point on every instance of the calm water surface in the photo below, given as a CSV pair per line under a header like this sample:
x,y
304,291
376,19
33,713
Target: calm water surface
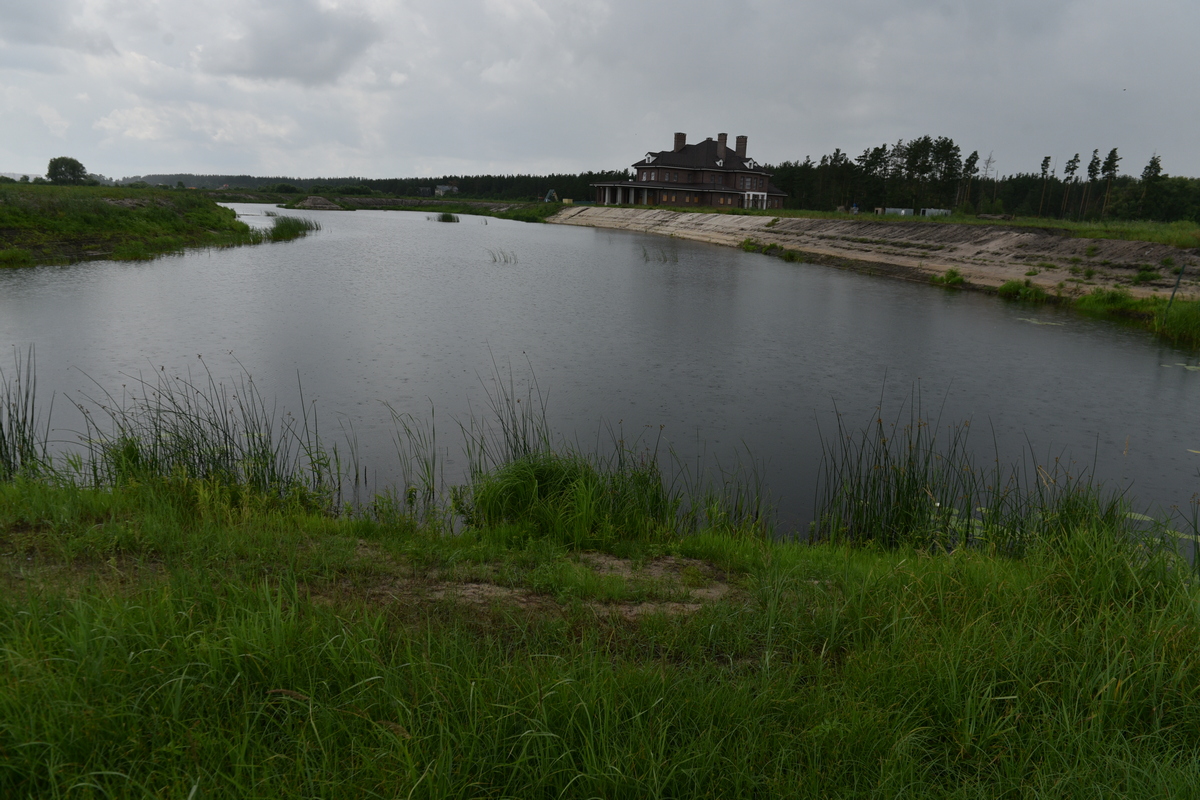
x,y
726,352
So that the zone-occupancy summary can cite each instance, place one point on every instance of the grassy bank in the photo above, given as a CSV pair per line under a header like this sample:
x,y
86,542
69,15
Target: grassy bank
x,y
1176,321
60,224
1184,235
178,619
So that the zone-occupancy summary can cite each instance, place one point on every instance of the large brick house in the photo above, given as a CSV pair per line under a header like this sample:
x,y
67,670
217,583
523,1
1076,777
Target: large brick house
x,y
708,173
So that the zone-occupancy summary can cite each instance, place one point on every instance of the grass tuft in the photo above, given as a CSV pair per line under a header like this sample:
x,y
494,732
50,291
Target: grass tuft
x,y
952,279
1025,292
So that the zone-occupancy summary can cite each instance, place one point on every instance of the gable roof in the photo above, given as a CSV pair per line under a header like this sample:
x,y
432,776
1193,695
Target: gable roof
x,y
702,155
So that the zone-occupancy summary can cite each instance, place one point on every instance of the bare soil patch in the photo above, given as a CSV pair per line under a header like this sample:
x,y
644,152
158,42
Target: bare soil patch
x,y
987,256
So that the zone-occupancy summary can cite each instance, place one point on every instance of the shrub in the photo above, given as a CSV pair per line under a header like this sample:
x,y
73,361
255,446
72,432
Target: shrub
x,y
15,257
951,279
1026,292
1146,274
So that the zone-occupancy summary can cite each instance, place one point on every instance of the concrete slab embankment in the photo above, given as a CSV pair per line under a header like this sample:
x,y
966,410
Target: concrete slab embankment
x,y
986,255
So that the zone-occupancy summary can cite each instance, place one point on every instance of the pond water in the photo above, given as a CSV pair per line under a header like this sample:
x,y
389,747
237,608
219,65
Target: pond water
x,y
725,353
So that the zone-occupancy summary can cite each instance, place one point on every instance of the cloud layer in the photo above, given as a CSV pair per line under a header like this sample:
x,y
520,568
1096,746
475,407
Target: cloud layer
x,y
393,88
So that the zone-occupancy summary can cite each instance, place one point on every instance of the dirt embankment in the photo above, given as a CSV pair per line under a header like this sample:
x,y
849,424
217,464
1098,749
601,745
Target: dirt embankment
x,y
987,256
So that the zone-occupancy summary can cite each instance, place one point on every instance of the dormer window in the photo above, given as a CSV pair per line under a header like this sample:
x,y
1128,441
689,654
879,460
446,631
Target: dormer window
x,y
720,162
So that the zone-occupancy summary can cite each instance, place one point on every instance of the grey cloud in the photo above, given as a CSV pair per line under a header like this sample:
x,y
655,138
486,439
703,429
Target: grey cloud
x,y
519,85
51,23
296,41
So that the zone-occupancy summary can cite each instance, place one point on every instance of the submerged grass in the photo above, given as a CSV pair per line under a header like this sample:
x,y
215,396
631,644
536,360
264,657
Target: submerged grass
x,y
175,625
1175,320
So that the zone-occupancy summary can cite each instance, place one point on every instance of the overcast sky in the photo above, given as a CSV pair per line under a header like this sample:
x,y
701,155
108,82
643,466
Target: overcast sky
x,y
390,88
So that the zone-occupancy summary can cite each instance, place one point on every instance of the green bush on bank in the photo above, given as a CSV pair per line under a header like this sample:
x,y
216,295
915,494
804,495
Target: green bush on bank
x,y
952,279
1024,291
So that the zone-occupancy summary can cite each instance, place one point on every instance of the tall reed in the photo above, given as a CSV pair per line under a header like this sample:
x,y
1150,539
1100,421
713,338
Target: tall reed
x,y
909,483
180,427
23,438
284,228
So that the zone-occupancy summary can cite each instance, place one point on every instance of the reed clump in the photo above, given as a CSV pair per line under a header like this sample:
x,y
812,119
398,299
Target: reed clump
x,y
24,440
501,256
285,228
183,430
906,482
1177,321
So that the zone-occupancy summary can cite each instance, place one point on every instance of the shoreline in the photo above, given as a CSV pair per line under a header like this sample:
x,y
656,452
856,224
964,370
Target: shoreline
x,y
986,257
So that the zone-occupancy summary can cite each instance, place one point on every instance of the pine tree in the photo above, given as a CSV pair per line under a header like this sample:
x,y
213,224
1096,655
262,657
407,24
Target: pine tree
x,y
1150,177
1093,173
1045,179
1069,173
970,170
1109,171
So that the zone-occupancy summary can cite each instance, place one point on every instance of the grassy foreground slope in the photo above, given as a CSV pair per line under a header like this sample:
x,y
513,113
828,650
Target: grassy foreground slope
x,y
172,639
185,610
60,224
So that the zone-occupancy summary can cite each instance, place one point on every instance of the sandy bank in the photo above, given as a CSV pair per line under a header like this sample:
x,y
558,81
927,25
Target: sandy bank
x,y
986,255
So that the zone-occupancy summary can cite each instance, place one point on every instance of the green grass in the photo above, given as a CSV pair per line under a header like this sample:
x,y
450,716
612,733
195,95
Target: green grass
x,y
1177,322
1023,291
58,224
952,279
321,664
573,624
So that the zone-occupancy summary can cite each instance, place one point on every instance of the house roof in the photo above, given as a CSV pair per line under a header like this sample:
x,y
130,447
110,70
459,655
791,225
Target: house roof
x,y
702,155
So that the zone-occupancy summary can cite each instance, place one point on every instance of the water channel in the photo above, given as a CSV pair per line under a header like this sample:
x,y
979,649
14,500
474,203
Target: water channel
x,y
727,354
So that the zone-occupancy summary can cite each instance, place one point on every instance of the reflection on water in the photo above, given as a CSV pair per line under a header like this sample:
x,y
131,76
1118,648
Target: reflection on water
x,y
728,352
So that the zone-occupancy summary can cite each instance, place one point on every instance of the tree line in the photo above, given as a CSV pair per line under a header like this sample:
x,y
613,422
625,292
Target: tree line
x,y
484,187
931,172
926,172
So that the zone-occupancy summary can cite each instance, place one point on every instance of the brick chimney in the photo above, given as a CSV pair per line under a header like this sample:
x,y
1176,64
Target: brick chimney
x,y
741,147
722,139
680,141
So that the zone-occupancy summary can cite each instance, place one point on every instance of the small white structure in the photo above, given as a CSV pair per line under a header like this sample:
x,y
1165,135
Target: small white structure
x,y
935,212
441,191
897,212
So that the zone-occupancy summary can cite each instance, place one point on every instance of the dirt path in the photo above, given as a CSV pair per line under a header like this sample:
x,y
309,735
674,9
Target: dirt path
x,y
986,255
